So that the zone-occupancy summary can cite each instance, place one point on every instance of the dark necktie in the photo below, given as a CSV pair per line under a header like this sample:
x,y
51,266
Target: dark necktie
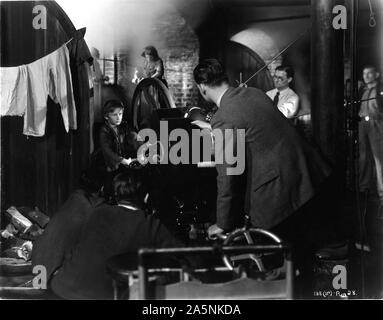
x,y
276,99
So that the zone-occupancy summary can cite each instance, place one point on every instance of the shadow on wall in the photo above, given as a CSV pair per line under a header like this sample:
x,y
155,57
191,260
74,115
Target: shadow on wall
x,y
268,39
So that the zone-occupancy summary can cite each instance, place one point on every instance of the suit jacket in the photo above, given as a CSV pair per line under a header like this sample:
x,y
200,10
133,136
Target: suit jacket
x,y
282,170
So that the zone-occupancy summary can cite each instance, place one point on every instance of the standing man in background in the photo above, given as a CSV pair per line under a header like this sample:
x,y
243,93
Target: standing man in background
x,y
283,97
371,134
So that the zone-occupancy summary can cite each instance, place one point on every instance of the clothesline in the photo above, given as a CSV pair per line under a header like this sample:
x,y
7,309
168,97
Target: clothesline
x,y
25,90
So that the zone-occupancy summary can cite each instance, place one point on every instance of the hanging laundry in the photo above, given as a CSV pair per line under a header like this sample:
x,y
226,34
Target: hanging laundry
x,y
13,90
49,75
27,88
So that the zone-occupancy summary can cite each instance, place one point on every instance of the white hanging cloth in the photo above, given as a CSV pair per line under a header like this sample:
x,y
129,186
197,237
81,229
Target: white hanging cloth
x,y
25,89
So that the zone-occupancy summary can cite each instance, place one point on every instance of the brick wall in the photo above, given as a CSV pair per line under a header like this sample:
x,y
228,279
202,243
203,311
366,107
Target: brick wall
x,y
178,46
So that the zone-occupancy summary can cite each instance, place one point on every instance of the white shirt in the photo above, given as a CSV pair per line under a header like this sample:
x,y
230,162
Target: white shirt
x,y
287,103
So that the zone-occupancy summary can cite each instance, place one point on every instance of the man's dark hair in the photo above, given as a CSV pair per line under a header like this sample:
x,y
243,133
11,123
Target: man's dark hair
x,y
288,69
370,66
129,186
210,72
151,51
111,105
91,180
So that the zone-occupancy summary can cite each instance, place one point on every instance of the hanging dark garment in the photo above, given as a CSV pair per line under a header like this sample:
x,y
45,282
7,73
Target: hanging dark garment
x,y
80,58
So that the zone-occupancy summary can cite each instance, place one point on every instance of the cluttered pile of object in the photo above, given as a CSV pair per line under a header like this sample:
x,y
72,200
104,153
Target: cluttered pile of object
x,y
24,227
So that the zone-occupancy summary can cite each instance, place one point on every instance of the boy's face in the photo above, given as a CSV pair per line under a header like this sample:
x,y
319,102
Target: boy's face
x,y
115,117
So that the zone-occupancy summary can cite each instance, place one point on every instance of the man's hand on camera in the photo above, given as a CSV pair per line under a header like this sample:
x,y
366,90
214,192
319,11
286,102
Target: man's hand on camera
x,y
130,162
126,162
135,164
214,231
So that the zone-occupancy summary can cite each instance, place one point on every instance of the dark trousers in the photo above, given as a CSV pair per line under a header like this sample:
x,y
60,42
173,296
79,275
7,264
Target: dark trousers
x,y
371,155
315,225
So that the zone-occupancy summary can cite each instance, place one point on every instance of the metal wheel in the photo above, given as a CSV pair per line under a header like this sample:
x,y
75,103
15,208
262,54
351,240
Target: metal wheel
x,y
251,236
150,94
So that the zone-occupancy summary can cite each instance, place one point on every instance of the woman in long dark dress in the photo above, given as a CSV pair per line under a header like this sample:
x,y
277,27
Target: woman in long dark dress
x,y
153,66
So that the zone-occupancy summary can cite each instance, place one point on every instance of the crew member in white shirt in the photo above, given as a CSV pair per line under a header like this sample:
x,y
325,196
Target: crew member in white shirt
x,y
283,97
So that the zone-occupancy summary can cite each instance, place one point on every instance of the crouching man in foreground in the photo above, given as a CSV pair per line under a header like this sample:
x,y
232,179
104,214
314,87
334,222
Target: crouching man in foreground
x,y
111,230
